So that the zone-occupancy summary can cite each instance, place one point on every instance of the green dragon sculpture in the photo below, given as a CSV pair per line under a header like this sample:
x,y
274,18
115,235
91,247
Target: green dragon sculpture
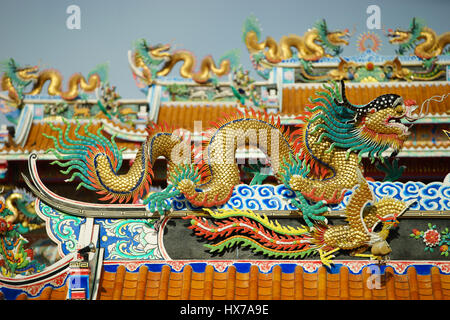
x,y
431,46
319,161
149,62
316,43
16,79
17,217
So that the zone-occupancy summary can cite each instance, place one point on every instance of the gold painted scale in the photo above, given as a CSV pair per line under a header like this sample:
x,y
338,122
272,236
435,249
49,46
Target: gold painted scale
x,y
124,211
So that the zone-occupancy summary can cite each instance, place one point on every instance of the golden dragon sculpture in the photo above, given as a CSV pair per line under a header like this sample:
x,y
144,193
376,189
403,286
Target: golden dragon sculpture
x,y
16,80
318,162
431,46
149,62
316,43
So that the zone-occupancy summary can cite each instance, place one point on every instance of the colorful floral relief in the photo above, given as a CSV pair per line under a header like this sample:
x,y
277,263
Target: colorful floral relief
x,y
433,239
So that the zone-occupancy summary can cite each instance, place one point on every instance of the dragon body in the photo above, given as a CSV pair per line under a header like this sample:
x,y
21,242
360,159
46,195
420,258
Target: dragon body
x,y
149,62
319,161
316,43
16,79
426,43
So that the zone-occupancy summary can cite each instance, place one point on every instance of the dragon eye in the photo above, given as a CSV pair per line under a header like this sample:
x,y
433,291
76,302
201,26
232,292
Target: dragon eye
x,y
399,109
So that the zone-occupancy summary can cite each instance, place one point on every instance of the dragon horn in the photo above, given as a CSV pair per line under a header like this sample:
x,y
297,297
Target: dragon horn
x,y
344,102
377,103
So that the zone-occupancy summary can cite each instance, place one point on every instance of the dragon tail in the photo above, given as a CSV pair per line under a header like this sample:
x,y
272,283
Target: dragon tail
x,y
248,229
96,161
101,71
251,24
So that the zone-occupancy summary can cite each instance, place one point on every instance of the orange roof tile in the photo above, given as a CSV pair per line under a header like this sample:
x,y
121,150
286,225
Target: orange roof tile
x,y
276,284
234,284
48,293
184,116
295,98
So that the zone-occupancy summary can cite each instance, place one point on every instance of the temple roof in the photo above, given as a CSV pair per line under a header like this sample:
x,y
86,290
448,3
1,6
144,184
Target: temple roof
x,y
200,280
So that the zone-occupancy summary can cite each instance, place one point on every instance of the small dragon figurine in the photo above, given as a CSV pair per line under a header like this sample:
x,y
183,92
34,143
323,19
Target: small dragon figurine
x,y
149,62
316,43
16,79
431,46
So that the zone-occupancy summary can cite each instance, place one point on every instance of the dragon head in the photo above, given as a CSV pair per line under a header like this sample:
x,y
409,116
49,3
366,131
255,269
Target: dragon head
x,y
406,39
378,124
21,76
332,40
146,60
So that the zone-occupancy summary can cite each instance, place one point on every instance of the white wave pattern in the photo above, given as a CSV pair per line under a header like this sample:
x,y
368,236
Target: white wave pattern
x,y
432,196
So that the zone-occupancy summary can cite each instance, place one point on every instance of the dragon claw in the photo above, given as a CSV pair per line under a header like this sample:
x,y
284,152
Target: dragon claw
x,y
157,202
327,256
311,211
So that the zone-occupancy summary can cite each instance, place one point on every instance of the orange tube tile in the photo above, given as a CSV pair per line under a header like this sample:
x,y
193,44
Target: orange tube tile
x,y
390,288
322,283
276,282
164,283
298,283
253,285
365,278
209,277
141,283
34,131
412,280
46,293
436,283
343,281
186,282
118,285
231,282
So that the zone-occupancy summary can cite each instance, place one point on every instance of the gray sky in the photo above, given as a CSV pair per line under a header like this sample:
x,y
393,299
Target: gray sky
x,y
35,32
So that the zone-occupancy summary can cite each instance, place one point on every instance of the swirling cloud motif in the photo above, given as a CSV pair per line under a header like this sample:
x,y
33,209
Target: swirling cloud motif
x,y
63,229
137,238
432,196
128,239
